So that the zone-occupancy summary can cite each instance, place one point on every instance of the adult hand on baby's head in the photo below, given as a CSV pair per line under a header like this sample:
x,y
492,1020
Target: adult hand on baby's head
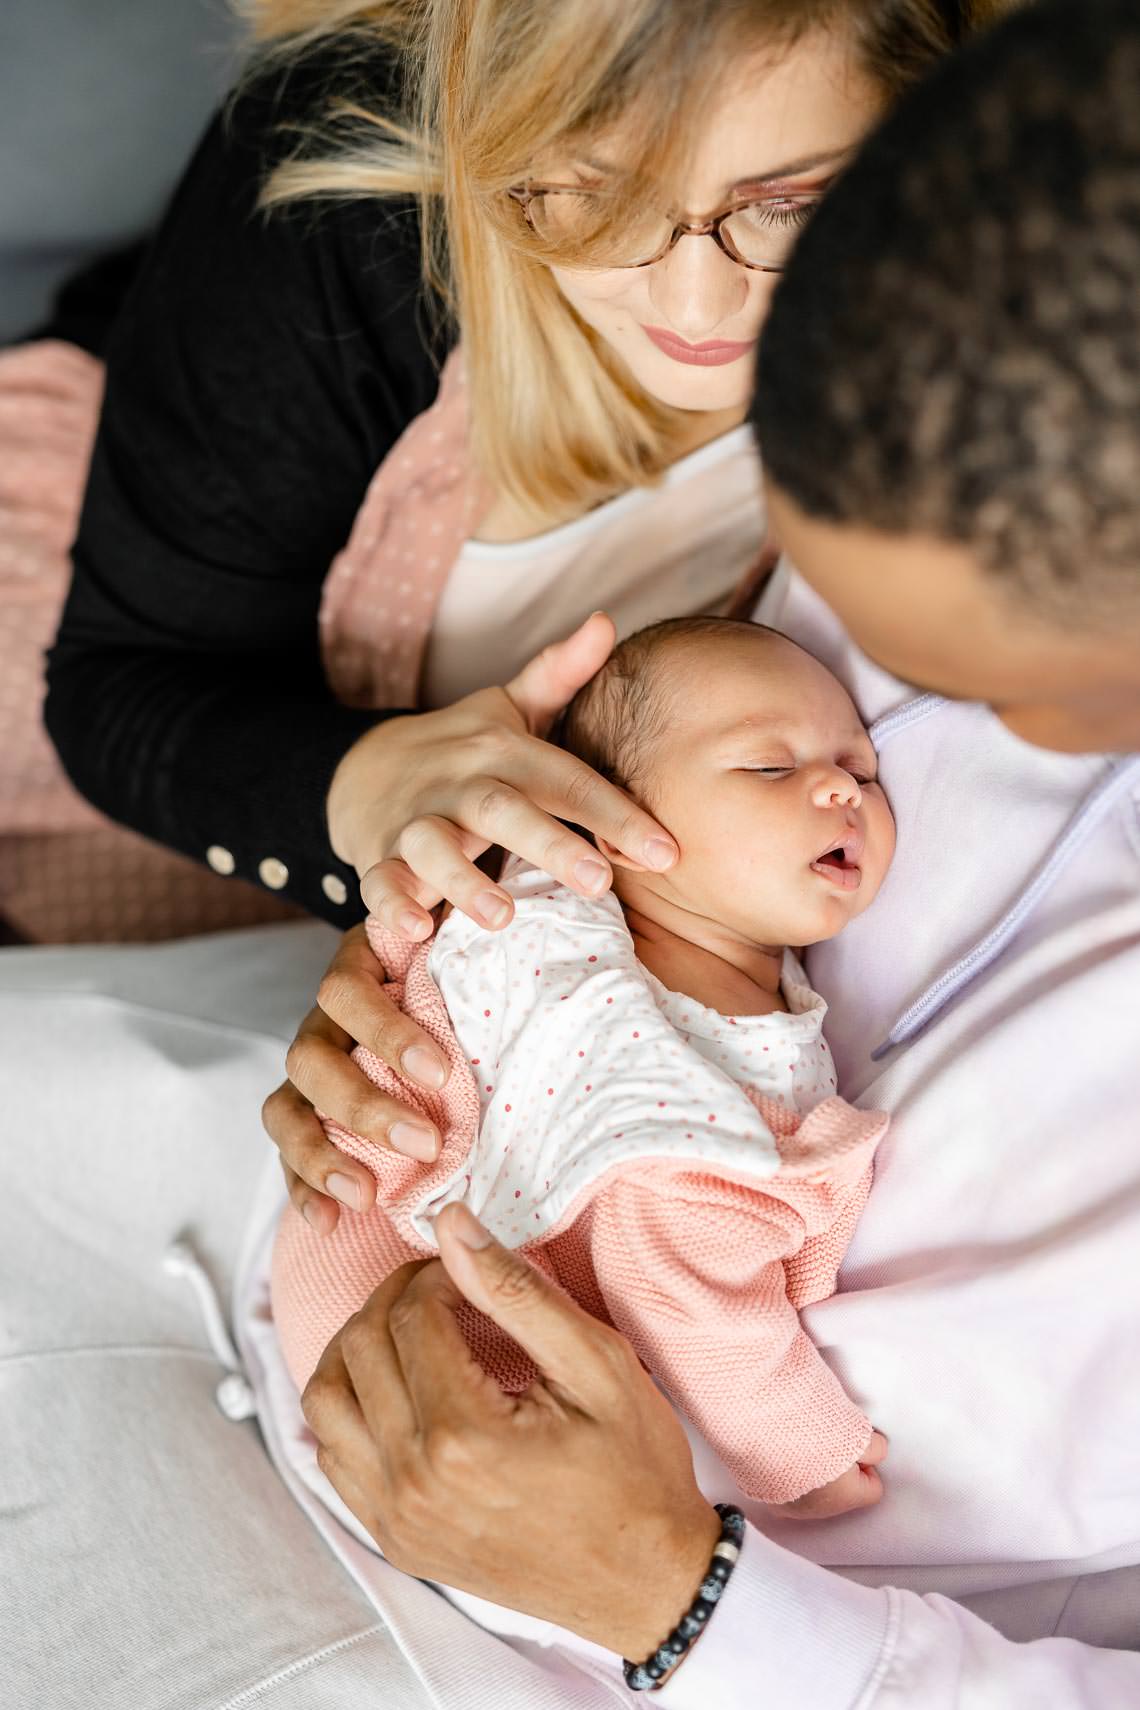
x,y
859,1487
417,800
575,1502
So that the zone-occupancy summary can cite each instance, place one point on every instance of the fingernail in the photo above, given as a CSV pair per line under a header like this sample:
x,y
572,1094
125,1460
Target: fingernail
x,y
468,1229
422,1065
659,854
492,910
591,875
412,925
344,1188
414,1140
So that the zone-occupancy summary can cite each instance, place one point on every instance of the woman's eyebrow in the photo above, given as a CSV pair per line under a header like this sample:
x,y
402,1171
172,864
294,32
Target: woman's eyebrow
x,y
795,168
772,175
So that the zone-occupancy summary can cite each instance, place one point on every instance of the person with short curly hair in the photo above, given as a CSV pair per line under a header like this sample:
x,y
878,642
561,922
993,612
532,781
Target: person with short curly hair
x,y
937,561
949,386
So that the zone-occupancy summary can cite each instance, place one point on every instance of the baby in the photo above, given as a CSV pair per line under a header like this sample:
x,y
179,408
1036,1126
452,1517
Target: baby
x,y
641,1096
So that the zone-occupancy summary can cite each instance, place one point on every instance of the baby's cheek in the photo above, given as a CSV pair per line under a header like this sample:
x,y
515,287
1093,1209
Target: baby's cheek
x,y
887,837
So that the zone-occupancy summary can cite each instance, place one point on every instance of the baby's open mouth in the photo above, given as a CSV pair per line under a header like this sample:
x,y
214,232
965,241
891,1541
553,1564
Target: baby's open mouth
x,y
840,864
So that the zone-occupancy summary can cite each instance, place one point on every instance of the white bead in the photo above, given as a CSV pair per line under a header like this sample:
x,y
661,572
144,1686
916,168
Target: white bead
x,y
274,874
235,1398
335,888
221,860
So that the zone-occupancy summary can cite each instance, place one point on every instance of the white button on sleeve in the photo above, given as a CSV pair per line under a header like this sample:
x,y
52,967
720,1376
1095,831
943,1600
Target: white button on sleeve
x,y
273,873
335,888
221,860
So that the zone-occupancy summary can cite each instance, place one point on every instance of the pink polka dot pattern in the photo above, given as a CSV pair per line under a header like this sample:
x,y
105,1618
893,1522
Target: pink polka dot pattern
x,y
420,507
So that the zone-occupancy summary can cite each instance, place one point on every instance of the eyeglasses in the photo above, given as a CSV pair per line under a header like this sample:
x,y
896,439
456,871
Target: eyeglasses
x,y
758,234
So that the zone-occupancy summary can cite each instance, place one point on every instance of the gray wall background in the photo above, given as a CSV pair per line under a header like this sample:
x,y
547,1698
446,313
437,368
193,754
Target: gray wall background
x,y
101,102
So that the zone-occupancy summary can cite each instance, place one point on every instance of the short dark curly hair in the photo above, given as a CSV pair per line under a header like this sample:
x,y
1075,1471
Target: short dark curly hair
x,y
955,347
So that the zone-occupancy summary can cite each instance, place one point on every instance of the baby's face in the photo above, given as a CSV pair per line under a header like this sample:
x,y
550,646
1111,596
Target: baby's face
x,y
767,779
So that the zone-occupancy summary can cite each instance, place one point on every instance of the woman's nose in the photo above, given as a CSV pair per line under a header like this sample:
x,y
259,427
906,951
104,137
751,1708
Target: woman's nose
x,y
696,287
836,788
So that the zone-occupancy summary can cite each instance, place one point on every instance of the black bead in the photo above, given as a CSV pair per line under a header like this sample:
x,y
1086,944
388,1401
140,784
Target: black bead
x,y
720,1569
701,1610
732,1523
654,1669
675,1644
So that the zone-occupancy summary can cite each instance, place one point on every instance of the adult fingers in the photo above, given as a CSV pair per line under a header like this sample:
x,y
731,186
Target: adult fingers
x,y
552,679
499,814
320,1211
366,1351
567,787
341,1475
584,1361
338,1087
352,996
446,1386
440,855
317,1171
399,899
525,816
330,1402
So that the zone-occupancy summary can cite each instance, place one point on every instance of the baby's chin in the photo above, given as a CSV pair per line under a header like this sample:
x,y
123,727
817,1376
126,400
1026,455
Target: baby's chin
x,y
814,925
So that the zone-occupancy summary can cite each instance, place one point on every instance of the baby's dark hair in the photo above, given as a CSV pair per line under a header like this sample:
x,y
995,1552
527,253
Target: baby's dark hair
x,y
616,720
955,347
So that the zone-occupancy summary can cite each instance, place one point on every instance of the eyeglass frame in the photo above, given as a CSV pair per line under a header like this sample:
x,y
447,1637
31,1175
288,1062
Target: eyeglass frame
x,y
525,194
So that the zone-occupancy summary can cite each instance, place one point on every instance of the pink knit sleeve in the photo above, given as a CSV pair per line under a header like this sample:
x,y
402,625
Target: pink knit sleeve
x,y
692,1270
319,1281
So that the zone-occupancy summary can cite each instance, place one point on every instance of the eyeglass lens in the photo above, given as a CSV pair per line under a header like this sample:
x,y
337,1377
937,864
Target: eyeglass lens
x,y
762,232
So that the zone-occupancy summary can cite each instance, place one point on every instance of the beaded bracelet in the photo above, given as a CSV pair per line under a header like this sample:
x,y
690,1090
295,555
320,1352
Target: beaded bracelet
x,y
654,1672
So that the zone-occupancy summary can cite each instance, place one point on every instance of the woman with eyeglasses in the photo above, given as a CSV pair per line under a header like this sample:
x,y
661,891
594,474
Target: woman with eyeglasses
x,y
580,211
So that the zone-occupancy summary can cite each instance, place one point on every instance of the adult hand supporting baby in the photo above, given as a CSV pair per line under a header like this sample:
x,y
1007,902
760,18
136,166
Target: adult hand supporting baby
x,y
351,1007
418,799
460,1483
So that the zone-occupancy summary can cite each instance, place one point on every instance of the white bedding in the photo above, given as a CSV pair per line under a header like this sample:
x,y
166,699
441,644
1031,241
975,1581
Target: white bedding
x,y
150,1558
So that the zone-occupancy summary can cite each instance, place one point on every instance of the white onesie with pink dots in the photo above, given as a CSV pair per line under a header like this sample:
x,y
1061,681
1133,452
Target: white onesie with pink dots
x,y
583,1060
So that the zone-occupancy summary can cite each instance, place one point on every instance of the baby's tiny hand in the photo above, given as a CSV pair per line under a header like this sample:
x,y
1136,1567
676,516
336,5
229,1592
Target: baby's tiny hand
x,y
859,1487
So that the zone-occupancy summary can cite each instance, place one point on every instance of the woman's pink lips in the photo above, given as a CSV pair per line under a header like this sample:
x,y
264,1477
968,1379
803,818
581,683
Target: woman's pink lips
x,y
714,353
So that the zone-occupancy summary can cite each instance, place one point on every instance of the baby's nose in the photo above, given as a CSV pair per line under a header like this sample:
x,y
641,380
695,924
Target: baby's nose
x,y
837,788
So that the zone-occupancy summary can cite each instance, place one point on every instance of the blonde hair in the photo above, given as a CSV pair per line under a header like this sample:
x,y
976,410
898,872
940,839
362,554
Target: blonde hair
x,y
490,88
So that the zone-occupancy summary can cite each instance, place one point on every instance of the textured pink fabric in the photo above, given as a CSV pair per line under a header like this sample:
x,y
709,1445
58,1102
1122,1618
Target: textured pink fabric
x,y
66,873
702,1271
381,593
